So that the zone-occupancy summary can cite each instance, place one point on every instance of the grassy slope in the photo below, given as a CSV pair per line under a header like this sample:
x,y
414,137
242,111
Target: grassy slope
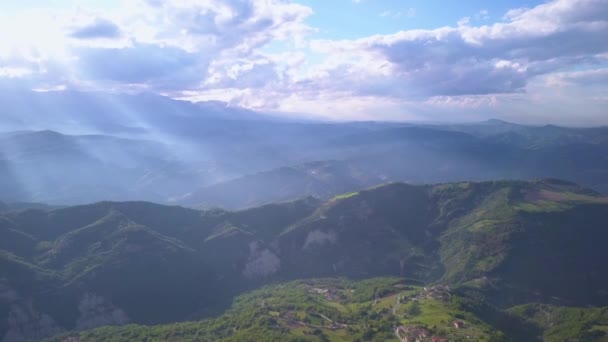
x,y
537,241
498,233
294,312
566,323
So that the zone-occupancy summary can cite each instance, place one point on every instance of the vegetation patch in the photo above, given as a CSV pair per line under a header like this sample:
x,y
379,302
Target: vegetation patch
x,y
566,323
345,196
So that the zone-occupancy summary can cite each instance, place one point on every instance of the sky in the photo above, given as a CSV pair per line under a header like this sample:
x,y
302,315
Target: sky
x,y
406,60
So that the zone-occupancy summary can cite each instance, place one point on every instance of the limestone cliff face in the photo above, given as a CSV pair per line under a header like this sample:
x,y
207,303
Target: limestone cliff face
x,y
25,323
319,237
96,311
7,294
261,262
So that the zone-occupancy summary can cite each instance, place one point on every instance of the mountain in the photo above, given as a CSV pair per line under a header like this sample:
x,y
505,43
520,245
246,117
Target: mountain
x,y
508,237
79,147
531,136
20,206
499,243
417,155
318,179
50,167
69,148
108,113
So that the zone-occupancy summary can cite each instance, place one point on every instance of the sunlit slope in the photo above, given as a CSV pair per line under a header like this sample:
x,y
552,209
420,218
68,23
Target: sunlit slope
x,y
527,237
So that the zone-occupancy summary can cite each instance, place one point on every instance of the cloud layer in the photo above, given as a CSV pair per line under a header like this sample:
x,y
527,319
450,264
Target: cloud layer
x,y
100,28
262,55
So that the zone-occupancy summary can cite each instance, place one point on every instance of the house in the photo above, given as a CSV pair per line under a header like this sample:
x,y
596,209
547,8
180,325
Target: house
x,y
411,333
439,339
318,290
438,292
459,324
71,339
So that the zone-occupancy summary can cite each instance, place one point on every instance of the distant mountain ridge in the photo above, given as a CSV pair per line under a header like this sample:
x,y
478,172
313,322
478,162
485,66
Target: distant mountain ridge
x,y
69,148
46,166
148,147
419,155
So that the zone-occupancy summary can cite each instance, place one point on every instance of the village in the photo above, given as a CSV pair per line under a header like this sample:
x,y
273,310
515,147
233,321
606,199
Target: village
x,y
419,333
405,333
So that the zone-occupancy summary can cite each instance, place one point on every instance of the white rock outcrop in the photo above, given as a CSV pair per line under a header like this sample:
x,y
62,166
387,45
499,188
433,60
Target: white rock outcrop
x,y
25,323
261,262
96,311
319,237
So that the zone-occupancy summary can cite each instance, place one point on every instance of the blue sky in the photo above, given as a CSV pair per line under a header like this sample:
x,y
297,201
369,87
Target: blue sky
x,y
346,19
411,60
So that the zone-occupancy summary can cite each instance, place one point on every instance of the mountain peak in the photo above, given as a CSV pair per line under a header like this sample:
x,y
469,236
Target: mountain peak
x,y
494,121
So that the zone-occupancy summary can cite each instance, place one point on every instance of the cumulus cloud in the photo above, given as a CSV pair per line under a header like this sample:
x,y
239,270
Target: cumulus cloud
x,y
583,78
141,63
14,72
494,59
163,46
410,13
216,50
254,73
241,25
100,28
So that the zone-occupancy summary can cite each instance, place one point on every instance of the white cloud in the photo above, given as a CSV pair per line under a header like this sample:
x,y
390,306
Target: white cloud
x,y
410,13
473,59
483,15
162,46
14,72
215,50
584,78
465,65
98,29
455,73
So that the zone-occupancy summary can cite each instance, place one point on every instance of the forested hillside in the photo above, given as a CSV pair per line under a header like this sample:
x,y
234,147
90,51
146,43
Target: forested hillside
x,y
504,243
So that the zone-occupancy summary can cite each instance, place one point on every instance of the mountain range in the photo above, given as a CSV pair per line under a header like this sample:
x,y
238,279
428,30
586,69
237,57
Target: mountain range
x,y
496,245
140,217
250,163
